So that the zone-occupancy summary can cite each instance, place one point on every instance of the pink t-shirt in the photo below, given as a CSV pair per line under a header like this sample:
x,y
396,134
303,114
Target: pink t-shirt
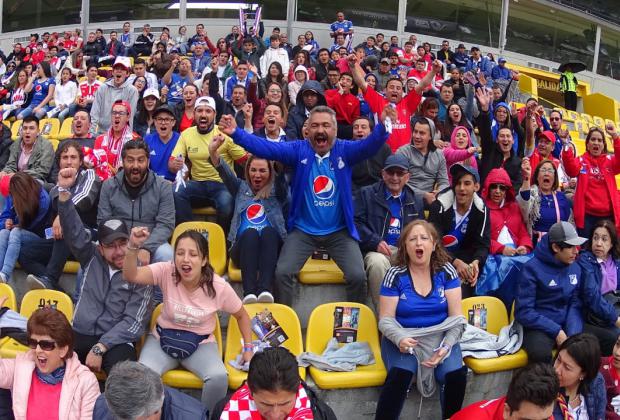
x,y
194,311
43,400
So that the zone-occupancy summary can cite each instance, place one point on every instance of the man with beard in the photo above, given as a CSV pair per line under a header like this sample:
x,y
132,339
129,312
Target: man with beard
x,y
162,142
106,153
205,186
239,108
273,118
114,89
321,210
110,314
138,197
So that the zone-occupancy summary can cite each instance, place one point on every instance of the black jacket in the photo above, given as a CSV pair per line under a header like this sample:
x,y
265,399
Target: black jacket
x,y
492,156
477,238
372,214
297,114
5,144
368,171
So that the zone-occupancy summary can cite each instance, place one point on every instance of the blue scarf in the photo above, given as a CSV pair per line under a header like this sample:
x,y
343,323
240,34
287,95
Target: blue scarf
x,y
53,378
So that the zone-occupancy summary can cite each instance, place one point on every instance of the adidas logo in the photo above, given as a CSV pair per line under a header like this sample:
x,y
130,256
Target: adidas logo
x,y
403,297
552,283
152,152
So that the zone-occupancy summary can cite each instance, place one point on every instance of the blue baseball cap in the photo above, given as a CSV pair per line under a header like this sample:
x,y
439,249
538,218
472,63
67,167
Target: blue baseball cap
x,y
459,168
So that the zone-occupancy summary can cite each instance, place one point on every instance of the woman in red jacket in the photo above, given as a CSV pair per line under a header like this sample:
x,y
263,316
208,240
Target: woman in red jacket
x,y
509,235
596,196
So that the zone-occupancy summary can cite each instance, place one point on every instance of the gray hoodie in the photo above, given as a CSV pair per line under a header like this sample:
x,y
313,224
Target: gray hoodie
x,y
428,172
107,94
107,305
153,208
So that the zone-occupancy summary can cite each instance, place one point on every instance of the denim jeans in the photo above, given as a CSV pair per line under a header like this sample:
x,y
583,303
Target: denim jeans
x,y
29,111
10,243
202,193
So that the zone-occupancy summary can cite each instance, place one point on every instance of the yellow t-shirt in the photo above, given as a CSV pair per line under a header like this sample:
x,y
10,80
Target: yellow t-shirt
x,y
195,146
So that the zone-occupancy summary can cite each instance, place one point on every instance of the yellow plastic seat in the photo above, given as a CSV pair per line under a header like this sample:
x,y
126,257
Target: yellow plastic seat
x,y
234,272
599,122
204,211
320,272
217,243
320,331
288,320
32,301
11,303
587,118
572,115
71,267
53,128
580,146
181,378
7,123
16,129
65,129
54,143
497,318
582,126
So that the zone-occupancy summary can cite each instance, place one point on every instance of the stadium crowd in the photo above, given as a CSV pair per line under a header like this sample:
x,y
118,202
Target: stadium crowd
x,y
411,168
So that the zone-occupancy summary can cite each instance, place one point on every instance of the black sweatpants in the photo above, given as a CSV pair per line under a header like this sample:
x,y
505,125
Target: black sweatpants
x,y
83,343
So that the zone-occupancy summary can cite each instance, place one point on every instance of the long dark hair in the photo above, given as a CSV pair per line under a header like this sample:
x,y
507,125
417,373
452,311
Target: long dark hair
x,y
206,275
613,236
585,351
439,256
25,194
598,130
279,77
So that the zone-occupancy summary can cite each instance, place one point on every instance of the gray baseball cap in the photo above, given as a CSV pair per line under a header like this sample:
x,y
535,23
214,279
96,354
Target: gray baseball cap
x,y
566,233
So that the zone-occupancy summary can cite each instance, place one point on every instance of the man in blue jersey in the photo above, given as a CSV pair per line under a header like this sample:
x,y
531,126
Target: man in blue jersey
x,y
321,211
341,26
161,143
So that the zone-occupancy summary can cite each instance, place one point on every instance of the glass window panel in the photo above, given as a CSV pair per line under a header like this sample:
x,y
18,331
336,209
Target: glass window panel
x,y
476,22
19,15
122,10
606,9
609,54
549,34
272,9
380,14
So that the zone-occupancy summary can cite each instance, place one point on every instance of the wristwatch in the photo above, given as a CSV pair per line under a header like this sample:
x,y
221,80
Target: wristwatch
x,y
96,350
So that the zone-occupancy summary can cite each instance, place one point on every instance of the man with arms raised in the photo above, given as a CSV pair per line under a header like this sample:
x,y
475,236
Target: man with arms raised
x,y
321,211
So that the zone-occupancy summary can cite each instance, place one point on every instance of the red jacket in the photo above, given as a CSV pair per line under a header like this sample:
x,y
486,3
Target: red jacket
x,y
482,410
347,106
612,385
584,167
508,215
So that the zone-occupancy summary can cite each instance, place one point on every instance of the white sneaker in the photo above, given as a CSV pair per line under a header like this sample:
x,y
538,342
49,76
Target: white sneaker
x,y
251,298
265,297
34,283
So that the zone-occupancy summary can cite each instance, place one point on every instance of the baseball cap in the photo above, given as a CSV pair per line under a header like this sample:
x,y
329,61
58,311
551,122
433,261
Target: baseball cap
x,y
122,61
205,101
385,60
396,161
459,167
501,60
461,46
151,92
474,48
547,135
565,232
112,229
163,108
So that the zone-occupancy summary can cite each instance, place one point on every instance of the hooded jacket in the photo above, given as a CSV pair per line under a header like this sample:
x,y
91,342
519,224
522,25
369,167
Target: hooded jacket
x,y
106,95
297,115
294,86
593,299
78,394
372,213
548,294
428,172
299,155
507,214
535,159
153,208
454,155
476,241
583,167
518,134
492,156
107,306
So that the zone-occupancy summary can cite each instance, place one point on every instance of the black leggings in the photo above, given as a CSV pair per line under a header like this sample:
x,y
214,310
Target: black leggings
x,y
256,254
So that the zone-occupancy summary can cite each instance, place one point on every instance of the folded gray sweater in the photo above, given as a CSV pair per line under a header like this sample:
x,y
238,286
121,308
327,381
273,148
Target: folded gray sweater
x,y
429,338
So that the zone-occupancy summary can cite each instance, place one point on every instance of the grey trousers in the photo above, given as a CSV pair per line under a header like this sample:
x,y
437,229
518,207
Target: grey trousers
x,y
205,362
342,248
377,265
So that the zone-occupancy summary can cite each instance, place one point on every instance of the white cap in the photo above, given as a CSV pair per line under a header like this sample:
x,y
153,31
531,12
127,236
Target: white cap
x,y
122,61
151,92
205,101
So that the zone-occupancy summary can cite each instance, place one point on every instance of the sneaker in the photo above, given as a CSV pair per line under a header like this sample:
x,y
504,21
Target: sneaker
x,y
251,298
33,282
3,278
265,297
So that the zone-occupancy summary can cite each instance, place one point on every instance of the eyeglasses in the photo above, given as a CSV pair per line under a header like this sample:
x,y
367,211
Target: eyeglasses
x,y
46,345
546,170
555,118
164,120
119,113
501,187
392,172
116,245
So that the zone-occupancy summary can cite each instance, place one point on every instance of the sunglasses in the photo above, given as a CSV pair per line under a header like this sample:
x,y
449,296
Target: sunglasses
x,y
501,187
46,345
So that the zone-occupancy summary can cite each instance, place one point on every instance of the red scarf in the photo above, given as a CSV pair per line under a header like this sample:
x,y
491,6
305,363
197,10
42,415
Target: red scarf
x,y
564,407
242,406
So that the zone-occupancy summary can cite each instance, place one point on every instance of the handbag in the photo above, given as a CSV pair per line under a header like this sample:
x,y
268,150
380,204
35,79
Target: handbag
x,y
613,298
179,344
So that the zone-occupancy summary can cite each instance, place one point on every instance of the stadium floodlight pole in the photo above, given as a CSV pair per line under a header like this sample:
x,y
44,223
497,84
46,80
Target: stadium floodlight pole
x,y
291,12
503,25
597,49
84,15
